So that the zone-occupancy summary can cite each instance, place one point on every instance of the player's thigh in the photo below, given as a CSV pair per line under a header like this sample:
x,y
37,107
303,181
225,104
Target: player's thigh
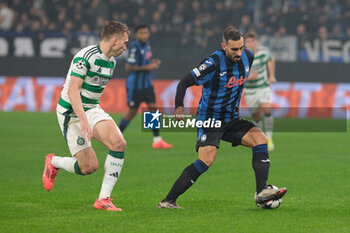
x,y
236,130
108,133
254,137
207,154
134,98
150,98
70,127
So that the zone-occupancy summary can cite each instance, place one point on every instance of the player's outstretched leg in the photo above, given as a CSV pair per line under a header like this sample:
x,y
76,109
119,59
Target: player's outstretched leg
x,y
184,182
189,176
108,134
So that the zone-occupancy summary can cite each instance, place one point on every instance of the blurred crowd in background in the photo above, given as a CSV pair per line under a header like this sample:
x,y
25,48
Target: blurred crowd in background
x,y
190,22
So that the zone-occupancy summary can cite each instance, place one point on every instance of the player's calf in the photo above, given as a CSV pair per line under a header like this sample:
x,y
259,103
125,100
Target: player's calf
x,y
88,169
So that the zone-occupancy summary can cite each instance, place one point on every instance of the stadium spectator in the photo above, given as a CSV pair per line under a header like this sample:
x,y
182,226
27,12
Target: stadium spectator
x,y
191,23
6,17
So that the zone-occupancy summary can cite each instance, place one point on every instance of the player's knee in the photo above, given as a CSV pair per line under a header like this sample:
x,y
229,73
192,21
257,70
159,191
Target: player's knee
x,y
89,168
118,144
261,140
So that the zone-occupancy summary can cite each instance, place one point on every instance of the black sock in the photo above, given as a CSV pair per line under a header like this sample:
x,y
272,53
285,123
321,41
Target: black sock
x,y
155,132
123,124
261,165
186,179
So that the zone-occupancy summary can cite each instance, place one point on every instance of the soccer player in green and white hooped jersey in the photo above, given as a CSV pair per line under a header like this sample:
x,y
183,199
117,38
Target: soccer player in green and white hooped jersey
x,y
81,118
257,90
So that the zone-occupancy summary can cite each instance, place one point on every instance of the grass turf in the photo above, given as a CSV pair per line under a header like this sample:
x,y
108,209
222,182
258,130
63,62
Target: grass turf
x,y
314,167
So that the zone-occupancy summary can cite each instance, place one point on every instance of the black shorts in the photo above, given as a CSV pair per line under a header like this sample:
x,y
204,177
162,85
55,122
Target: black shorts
x,y
137,96
230,132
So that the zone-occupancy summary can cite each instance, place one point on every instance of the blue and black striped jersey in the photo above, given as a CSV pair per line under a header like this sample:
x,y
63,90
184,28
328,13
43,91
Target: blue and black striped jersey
x,y
223,81
139,55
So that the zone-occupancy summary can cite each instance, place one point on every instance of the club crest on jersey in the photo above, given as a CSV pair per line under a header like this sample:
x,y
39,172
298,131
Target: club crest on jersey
x,y
80,141
203,137
235,82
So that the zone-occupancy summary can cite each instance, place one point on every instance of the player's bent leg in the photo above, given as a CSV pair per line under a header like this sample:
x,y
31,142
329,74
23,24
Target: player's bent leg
x,y
84,162
255,139
87,162
189,176
158,142
107,133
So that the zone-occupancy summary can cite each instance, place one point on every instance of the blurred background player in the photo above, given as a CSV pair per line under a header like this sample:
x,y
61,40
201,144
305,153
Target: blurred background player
x,y
139,82
81,118
257,90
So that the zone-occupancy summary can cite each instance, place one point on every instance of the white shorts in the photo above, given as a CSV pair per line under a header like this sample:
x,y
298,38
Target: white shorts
x,y
255,99
70,127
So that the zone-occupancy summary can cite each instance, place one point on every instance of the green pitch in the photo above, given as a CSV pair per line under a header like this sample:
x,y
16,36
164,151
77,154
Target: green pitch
x,y
313,166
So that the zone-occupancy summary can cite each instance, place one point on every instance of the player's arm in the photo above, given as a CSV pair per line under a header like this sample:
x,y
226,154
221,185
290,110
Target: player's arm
x,y
133,57
77,105
150,67
253,75
180,95
271,64
198,76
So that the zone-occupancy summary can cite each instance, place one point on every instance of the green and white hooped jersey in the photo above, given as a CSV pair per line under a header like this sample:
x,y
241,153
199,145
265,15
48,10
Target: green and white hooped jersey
x,y
262,56
91,65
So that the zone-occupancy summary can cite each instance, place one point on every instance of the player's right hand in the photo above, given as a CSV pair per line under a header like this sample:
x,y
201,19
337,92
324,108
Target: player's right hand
x,y
253,75
179,113
86,131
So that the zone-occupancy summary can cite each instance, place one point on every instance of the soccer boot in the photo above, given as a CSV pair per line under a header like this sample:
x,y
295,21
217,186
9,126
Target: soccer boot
x,y
50,173
161,144
168,205
106,204
270,145
270,193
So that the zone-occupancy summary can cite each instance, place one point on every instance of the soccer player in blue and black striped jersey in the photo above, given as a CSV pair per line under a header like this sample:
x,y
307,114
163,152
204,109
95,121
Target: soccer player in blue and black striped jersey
x,y
139,82
223,75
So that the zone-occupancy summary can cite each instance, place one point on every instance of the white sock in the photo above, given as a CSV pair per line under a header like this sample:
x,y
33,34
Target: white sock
x,y
66,163
268,122
258,124
157,138
113,167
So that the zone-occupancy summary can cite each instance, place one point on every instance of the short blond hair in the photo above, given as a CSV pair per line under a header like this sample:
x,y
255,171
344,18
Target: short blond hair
x,y
113,28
